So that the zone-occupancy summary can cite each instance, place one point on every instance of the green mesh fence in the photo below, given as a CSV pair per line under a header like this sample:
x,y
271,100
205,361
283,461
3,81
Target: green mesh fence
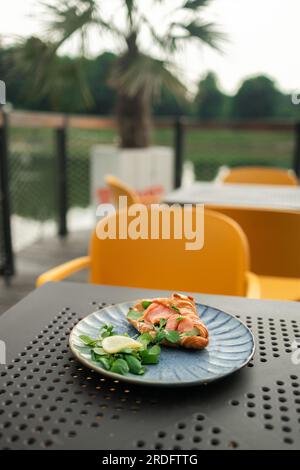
x,y
2,244
32,173
33,162
210,149
79,147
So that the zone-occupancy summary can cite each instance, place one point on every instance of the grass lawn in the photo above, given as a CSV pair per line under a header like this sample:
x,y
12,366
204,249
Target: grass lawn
x,y
33,174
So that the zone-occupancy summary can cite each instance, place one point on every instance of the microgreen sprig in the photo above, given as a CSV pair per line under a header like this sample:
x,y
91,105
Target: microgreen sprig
x,y
125,361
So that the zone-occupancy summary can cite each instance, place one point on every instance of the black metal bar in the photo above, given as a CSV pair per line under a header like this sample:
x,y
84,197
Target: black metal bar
x,y
7,268
179,150
62,187
296,164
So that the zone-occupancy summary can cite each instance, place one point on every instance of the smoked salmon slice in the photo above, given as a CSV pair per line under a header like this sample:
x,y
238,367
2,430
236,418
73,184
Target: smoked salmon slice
x,y
163,316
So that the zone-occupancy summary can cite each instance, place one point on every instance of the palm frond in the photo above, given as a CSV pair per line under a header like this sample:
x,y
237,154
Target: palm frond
x,y
195,4
146,75
207,33
130,8
70,16
196,29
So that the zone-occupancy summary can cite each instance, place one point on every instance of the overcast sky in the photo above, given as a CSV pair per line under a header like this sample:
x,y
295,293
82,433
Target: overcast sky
x,y
264,38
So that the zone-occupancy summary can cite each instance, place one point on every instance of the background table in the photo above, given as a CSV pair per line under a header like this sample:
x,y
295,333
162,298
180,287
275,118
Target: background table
x,y
49,400
238,195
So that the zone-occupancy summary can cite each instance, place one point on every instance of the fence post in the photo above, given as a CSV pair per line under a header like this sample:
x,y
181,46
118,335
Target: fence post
x,y
7,268
62,188
296,165
179,149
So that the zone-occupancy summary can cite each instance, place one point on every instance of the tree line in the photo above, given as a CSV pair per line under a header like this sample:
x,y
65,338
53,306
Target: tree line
x,y
257,97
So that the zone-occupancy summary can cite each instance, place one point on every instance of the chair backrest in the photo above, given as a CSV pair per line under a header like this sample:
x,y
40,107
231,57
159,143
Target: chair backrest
x,y
118,188
219,267
260,175
274,239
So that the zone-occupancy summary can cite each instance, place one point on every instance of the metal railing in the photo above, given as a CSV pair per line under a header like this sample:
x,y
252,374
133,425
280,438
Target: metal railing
x,y
6,252
46,159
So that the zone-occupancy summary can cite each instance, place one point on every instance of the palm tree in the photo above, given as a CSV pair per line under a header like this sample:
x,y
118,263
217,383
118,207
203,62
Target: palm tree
x,y
136,75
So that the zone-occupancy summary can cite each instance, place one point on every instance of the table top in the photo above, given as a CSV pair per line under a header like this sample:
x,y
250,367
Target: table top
x,y
238,195
49,400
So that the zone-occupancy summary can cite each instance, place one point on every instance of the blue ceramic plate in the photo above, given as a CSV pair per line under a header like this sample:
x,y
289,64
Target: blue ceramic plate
x,y
231,346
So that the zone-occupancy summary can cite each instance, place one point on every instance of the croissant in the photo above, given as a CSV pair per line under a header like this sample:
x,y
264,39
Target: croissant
x,y
178,313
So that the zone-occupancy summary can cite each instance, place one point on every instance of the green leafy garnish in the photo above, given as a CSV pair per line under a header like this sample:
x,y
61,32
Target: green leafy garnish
x,y
175,308
155,350
160,331
180,318
172,336
106,330
120,366
99,351
88,341
145,339
126,360
135,365
104,362
133,315
148,357
162,334
146,303
126,351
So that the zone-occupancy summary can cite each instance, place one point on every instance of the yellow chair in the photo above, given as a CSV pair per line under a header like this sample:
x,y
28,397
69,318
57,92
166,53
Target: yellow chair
x,y
118,188
260,175
220,267
274,238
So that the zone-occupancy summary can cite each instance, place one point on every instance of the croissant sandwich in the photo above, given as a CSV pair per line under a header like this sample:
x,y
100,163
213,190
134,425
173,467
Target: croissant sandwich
x,y
172,321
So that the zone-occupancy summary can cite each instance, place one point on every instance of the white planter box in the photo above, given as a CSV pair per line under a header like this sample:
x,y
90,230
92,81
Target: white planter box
x,y
150,170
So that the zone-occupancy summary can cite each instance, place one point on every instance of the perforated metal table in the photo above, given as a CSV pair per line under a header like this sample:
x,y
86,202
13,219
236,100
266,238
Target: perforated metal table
x,y
49,400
